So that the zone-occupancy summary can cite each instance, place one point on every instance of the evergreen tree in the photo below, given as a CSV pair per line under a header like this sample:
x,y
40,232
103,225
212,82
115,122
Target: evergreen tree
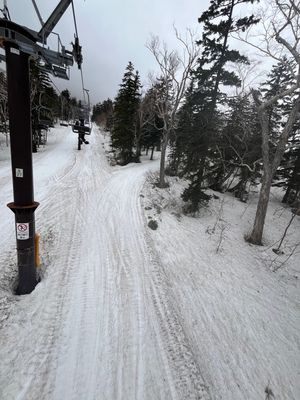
x,y
43,98
153,123
145,129
75,111
125,115
199,138
241,144
65,99
181,138
39,84
279,77
102,114
219,22
152,133
287,175
289,171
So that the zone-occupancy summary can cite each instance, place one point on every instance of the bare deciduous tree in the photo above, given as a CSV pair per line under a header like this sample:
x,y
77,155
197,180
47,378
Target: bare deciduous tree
x,y
249,75
175,71
281,37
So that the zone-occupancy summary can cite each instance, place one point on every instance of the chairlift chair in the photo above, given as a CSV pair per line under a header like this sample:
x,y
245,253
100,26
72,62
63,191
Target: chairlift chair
x,y
60,72
41,126
82,124
85,129
81,129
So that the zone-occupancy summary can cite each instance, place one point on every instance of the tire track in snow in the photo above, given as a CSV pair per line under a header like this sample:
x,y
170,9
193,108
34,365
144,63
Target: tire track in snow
x,y
184,369
110,326
185,374
130,306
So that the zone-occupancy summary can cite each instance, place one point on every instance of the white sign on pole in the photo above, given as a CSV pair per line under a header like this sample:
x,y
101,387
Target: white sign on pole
x,y
15,51
19,172
22,230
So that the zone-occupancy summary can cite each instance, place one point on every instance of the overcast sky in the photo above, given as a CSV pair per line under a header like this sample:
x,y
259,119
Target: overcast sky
x,y
112,33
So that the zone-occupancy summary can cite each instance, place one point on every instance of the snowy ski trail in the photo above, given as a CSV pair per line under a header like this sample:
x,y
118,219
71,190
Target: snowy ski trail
x,y
103,323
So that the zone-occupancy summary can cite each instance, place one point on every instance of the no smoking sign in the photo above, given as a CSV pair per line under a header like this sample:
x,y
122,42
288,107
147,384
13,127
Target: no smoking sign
x,y
22,231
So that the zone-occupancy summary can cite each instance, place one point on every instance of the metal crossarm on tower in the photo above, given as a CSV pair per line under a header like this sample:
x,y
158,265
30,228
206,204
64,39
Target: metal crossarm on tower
x,y
52,21
26,40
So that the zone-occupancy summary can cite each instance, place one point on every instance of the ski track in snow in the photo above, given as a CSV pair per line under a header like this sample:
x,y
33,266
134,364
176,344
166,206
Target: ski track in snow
x,y
103,323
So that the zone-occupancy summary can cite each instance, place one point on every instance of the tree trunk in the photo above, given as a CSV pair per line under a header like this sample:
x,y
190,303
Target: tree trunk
x,y
200,171
152,151
162,183
137,152
270,168
286,195
262,206
261,212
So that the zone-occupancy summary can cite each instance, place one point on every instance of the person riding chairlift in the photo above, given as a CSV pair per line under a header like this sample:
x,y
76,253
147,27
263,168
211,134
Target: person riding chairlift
x,y
81,135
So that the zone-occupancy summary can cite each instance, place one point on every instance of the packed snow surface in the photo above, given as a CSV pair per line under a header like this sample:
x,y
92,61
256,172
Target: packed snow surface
x,y
186,311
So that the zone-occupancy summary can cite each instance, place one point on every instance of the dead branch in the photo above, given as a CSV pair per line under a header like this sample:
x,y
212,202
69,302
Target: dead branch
x,y
277,250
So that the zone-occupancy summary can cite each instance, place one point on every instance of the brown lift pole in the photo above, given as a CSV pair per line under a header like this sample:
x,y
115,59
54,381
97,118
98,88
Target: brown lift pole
x,y
23,205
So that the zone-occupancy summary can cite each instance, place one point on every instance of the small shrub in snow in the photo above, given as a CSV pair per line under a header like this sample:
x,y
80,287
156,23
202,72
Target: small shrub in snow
x,y
153,224
170,172
194,199
269,393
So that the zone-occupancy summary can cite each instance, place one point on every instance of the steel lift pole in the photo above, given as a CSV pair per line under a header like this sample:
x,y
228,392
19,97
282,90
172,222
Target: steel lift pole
x,y
23,205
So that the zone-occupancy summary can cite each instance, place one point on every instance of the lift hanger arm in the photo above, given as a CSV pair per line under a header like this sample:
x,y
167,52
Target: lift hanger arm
x,y
51,22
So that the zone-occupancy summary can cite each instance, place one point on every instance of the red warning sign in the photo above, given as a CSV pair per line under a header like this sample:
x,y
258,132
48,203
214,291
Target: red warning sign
x,y
22,230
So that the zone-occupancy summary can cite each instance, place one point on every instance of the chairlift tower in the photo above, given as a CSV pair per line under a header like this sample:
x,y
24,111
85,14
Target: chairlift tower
x,y
21,43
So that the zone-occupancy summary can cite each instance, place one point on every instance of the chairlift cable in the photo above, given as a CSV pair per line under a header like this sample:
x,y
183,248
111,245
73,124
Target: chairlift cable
x,y
76,33
82,84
